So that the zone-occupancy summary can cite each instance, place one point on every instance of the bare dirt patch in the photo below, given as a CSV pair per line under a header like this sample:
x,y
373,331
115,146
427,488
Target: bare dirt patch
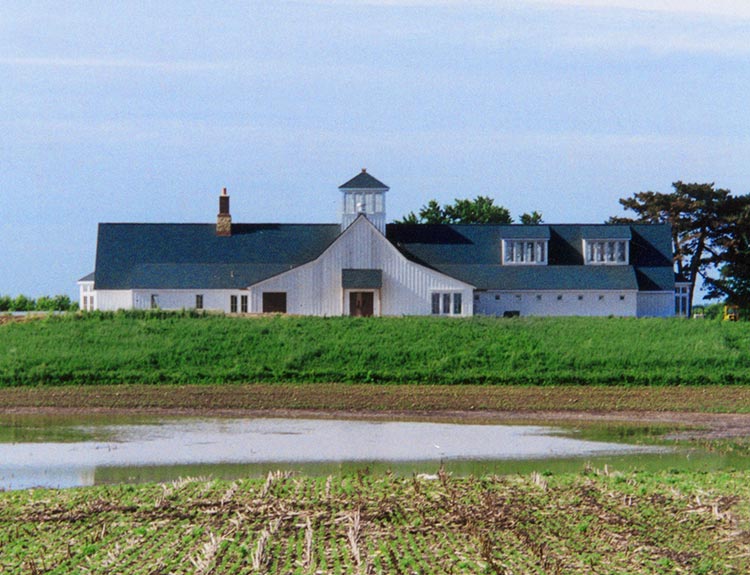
x,y
691,408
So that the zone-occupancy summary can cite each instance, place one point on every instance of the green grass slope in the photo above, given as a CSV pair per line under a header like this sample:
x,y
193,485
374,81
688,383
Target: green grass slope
x,y
183,348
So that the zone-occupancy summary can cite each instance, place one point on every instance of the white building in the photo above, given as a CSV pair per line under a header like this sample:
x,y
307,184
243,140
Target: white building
x,y
364,267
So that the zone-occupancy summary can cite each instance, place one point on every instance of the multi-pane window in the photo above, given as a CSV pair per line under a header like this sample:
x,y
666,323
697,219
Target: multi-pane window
x,y
361,202
606,251
525,252
154,301
447,303
243,304
233,304
199,301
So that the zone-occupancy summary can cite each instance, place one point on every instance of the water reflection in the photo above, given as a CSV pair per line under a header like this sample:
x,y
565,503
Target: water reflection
x,y
188,444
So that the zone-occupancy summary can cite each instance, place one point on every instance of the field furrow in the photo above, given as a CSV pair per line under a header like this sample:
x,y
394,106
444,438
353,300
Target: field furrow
x,y
589,523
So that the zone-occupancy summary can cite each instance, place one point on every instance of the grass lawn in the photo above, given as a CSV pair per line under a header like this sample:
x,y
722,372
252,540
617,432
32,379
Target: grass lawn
x,y
174,348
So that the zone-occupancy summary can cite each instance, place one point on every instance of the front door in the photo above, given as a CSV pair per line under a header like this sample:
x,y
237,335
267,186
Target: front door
x,y
361,303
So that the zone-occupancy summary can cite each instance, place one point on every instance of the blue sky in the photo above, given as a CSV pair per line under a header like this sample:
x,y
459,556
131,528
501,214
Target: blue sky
x,y
142,112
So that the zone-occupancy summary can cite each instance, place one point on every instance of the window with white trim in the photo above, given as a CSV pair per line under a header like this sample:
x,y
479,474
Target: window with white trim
x,y
447,303
605,252
527,252
681,307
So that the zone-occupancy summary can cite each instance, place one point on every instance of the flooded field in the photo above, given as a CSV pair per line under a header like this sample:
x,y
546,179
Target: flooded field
x,y
75,451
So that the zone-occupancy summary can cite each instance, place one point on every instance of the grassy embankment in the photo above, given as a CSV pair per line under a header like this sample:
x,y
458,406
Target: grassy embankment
x,y
595,522
172,348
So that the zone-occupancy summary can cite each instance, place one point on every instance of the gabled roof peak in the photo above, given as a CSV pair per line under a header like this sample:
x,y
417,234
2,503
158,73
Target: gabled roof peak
x,y
364,181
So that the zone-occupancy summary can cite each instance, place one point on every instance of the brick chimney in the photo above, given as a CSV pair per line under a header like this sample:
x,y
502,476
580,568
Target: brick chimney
x,y
224,219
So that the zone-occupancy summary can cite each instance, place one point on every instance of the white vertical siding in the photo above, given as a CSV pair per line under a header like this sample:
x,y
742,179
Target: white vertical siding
x,y
111,300
558,303
213,300
86,296
315,288
656,304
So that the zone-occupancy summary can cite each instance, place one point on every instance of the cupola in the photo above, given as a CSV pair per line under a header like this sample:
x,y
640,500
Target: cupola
x,y
363,194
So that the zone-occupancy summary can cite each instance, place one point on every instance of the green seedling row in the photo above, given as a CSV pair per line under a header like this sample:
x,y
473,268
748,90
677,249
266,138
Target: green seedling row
x,y
592,522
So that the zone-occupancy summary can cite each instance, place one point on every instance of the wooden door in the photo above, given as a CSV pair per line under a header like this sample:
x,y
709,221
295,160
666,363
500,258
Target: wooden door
x,y
361,303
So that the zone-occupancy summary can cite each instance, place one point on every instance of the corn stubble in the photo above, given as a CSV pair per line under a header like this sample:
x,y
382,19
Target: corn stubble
x,y
594,522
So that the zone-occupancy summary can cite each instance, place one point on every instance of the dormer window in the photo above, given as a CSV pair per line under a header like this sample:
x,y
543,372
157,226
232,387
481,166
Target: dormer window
x,y
525,252
606,252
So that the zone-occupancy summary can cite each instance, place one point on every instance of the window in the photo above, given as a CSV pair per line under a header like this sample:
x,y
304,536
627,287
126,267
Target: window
x,y
530,252
232,304
85,303
606,252
274,302
559,298
447,303
681,307
538,297
622,298
154,301
199,301
243,304
580,298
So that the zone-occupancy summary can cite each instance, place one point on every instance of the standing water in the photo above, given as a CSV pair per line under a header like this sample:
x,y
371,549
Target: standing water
x,y
85,453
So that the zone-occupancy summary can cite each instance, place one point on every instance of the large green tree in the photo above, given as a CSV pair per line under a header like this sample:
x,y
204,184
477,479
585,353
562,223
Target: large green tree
x,y
704,228
731,255
480,210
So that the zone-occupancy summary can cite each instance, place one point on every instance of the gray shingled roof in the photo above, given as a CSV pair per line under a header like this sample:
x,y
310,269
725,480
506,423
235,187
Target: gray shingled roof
x,y
363,181
361,278
192,256
187,256
472,253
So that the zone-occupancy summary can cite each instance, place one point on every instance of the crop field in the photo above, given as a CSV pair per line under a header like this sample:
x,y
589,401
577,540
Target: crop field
x,y
393,399
184,348
593,522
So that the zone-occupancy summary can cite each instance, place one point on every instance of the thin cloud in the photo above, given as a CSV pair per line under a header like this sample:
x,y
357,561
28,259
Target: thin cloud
x,y
111,63
729,8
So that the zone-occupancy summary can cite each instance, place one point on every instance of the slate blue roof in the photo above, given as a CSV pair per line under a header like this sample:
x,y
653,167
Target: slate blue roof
x,y
361,278
192,256
472,253
363,181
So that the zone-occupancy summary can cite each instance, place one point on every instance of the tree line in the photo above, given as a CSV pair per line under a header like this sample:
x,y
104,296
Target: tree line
x,y
710,231
43,303
480,210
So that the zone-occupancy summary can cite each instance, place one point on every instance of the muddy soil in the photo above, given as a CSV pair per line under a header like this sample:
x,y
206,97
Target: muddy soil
x,y
706,426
